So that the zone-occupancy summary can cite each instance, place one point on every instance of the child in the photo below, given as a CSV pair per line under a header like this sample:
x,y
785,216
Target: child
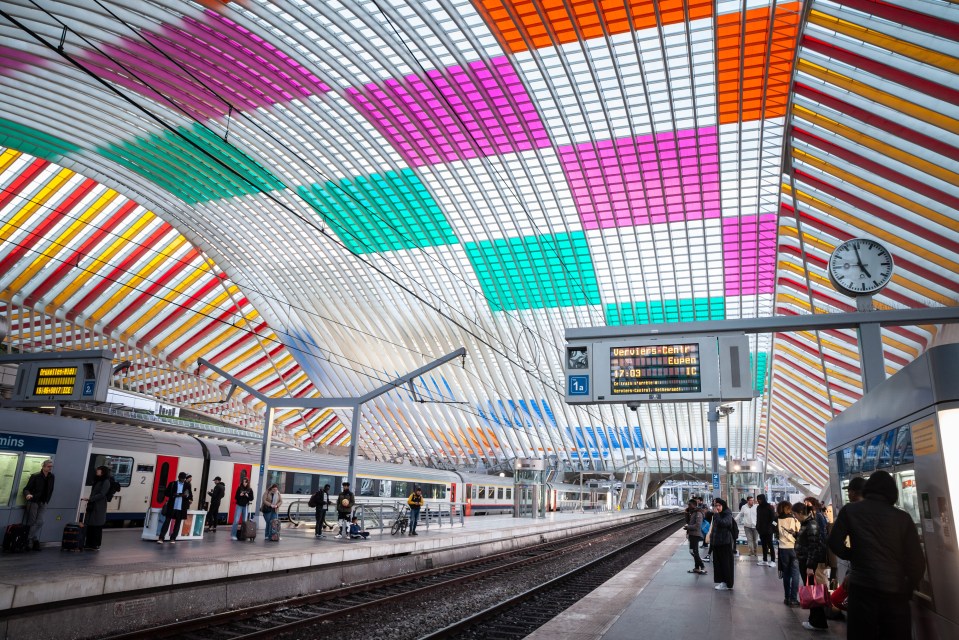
x,y
355,532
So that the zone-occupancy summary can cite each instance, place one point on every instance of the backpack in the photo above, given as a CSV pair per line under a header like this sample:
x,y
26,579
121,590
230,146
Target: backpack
x,y
705,527
314,500
114,489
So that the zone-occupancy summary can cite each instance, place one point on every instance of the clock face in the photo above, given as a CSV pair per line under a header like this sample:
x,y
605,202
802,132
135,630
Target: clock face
x,y
860,267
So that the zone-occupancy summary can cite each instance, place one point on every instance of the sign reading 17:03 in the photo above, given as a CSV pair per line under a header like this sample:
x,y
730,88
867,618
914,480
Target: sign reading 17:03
x,y
655,368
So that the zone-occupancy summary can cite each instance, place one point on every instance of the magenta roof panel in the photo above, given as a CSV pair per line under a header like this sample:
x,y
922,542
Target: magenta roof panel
x,y
749,254
204,66
12,60
666,177
454,113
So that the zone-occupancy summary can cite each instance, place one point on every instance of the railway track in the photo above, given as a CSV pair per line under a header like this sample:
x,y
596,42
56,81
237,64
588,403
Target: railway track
x,y
375,609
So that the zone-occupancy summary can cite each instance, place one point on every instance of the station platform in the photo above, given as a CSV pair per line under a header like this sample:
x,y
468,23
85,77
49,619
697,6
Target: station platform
x,y
130,581
656,593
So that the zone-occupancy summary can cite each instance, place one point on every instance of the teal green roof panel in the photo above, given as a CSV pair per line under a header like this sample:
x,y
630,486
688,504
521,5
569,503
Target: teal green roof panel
x,y
36,143
661,311
381,212
195,165
535,272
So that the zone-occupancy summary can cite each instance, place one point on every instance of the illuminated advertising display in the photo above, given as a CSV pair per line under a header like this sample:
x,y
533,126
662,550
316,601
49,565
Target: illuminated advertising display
x,y
655,368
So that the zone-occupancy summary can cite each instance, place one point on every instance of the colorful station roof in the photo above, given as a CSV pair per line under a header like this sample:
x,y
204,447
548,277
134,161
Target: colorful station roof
x,y
321,196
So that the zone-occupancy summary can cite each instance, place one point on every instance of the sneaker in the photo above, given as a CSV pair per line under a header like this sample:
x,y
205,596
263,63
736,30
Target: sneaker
x,y
338,536
159,540
772,563
761,563
172,541
693,571
721,587
794,603
806,625
702,571
706,559
233,537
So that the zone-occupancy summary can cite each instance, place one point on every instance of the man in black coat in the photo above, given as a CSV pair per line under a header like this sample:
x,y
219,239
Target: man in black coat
x,y
216,495
886,557
37,493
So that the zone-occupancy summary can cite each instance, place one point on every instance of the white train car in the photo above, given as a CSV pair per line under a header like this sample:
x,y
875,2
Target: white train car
x,y
485,494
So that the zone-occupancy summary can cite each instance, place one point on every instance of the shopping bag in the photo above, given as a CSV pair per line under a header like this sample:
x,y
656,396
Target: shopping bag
x,y
813,595
839,596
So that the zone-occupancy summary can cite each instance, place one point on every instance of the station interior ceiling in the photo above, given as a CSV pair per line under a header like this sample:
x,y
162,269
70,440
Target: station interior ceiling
x,y
320,196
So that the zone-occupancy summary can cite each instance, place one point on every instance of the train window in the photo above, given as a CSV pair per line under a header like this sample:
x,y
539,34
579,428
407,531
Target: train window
x,y
277,478
481,493
224,450
386,489
163,476
300,483
120,466
367,487
8,469
509,493
31,464
499,492
400,489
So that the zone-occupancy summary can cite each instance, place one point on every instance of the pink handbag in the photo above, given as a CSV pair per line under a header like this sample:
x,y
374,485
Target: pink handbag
x,y
813,595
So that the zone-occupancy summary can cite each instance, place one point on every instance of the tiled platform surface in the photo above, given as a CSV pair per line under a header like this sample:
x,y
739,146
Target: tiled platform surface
x,y
656,598
126,563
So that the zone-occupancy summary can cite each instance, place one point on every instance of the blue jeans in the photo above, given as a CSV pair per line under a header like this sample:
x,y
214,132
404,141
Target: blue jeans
x,y
789,565
269,518
414,518
239,515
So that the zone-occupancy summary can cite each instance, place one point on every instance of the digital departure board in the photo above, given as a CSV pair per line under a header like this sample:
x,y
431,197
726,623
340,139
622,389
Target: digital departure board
x,y
55,381
655,368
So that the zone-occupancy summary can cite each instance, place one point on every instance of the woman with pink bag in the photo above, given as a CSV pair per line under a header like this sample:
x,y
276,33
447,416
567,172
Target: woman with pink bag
x,y
810,551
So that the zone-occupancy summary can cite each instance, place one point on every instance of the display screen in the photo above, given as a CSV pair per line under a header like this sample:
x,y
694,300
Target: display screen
x,y
55,381
656,368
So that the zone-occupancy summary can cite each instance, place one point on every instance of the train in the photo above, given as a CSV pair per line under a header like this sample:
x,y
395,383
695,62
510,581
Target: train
x,y
144,460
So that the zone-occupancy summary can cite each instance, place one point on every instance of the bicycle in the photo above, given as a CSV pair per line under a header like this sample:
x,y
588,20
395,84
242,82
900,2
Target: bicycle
x,y
402,521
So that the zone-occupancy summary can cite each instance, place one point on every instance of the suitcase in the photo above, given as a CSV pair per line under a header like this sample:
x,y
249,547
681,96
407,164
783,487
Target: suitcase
x,y
16,538
247,530
74,535
273,535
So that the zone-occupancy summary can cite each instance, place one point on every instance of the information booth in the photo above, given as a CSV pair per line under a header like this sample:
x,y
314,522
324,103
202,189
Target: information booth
x,y
529,495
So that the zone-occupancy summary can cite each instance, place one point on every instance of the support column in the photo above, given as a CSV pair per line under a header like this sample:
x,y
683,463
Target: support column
x,y
265,452
354,442
712,414
871,357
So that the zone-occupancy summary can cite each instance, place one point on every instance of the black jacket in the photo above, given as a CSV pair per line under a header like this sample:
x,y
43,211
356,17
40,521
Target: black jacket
x,y
243,496
883,546
216,494
40,487
765,514
809,547
722,530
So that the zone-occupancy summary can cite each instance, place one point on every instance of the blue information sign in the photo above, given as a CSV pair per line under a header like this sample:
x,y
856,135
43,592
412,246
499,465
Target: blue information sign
x,y
578,386
716,483
89,386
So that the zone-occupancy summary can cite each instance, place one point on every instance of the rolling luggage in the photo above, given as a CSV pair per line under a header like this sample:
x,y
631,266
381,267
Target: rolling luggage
x,y
247,530
74,535
273,535
16,538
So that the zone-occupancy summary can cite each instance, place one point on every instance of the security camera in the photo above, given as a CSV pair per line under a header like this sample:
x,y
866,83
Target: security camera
x,y
726,409
633,406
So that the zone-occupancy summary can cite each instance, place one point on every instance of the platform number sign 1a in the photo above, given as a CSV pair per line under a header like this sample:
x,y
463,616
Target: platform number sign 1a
x,y
578,386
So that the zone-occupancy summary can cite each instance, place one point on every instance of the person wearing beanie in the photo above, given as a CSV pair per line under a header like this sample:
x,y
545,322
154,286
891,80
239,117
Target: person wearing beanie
x,y
883,546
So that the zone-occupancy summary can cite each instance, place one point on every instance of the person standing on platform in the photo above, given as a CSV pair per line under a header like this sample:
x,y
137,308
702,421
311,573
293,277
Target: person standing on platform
x,y
320,501
175,508
788,529
694,532
708,518
415,501
765,516
242,499
815,508
270,506
96,512
747,518
811,552
216,495
886,557
344,506
722,539
37,493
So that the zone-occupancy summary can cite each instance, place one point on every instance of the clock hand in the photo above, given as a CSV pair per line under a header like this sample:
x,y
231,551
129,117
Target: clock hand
x,y
859,262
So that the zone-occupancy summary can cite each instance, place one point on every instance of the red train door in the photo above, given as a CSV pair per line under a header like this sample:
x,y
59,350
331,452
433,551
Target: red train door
x,y
164,474
468,499
452,498
240,471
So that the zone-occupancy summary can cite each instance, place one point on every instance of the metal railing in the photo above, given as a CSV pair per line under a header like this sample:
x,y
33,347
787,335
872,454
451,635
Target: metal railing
x,y
380,516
